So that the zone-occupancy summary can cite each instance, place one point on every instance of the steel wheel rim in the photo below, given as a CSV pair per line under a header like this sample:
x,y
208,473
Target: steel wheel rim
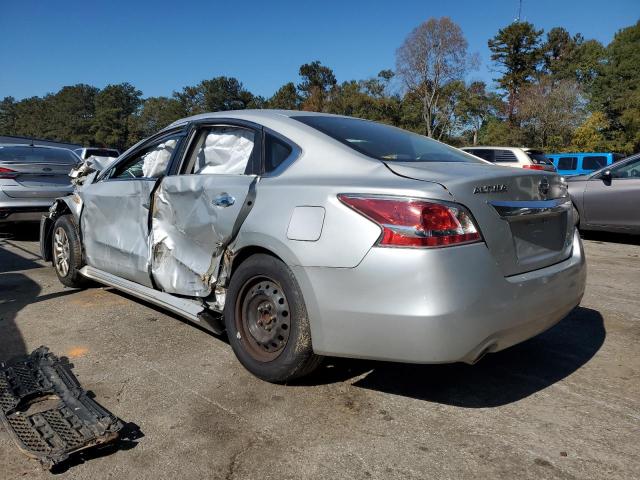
x,y
263,318
61,251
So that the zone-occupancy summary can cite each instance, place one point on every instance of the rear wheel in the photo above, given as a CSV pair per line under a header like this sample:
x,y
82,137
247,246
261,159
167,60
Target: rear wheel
x,y
67,252
266,321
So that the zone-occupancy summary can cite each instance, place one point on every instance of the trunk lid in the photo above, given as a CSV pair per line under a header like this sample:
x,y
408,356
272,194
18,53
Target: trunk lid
x,y
37,179
525,226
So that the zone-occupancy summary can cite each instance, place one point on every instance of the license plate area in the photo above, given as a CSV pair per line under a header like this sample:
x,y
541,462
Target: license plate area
x,y
539,236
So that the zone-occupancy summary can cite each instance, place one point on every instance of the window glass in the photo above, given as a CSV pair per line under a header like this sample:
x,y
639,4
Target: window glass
x,y
593,162
28,154
484,153
567,163
505,156
539,158
275,152
628,170
384,142
101,152
151,162
222,150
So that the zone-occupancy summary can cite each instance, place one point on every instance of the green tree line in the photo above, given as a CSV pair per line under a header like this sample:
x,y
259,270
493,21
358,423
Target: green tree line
x,y
555,91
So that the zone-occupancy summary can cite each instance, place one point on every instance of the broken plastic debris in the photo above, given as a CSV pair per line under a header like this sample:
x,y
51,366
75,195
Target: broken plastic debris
x,y
46,411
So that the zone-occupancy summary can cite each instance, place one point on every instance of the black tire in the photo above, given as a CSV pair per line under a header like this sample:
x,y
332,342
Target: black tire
x,y
266,321
67,269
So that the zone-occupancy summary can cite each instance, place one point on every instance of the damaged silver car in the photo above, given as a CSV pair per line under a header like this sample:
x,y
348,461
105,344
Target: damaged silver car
x,y
305,234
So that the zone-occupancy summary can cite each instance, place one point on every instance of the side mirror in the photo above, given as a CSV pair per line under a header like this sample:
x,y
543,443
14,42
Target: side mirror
x,y
606,177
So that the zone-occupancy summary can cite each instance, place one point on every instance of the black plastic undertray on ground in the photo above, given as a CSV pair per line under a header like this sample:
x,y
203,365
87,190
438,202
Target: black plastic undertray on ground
x,y
47,412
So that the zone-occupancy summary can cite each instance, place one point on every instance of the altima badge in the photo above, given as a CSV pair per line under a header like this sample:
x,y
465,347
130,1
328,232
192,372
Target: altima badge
x,y
490,188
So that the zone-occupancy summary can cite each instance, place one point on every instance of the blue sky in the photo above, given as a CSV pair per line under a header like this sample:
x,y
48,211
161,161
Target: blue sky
x,y
162,46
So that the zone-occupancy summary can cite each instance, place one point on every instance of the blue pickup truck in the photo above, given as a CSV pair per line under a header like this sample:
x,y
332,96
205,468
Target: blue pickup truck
x,y
581,163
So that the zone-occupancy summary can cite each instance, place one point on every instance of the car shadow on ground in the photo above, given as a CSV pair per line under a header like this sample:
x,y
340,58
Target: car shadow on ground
x,y
16,292
609,237
498,379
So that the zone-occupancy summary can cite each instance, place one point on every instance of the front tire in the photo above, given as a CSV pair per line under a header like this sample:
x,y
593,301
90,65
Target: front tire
x,y
66,252
266,321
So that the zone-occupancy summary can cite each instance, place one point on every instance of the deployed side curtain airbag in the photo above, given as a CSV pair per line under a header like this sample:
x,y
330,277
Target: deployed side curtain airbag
x,y
225,151
157,160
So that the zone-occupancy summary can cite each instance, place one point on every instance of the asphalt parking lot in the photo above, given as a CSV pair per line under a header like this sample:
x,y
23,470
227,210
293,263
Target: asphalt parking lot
x,y
565,404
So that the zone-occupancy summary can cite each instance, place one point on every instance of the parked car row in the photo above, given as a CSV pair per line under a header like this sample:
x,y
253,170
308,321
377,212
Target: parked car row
x,y
32,176
277,227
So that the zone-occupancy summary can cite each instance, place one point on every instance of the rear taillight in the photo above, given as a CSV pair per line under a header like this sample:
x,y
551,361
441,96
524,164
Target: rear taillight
x,y
410,222
7,173
535,167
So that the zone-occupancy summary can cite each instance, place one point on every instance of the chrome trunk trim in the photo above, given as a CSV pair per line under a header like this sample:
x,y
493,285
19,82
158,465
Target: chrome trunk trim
x,y
510,209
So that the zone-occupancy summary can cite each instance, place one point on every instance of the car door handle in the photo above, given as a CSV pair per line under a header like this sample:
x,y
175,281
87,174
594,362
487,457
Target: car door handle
x,y
224,200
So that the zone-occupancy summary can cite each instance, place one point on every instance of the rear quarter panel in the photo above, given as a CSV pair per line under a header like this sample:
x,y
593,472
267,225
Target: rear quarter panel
x,y
345,237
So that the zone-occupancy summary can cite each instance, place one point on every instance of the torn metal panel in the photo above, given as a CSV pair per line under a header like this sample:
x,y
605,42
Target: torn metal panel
x,y
115,227
48,414
85,172
191,228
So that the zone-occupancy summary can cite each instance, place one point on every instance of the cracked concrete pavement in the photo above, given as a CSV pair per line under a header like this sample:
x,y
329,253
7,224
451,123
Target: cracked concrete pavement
x,y
565,404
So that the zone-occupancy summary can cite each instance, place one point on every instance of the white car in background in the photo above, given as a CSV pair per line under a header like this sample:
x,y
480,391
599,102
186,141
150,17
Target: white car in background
x,y
87,152
529,158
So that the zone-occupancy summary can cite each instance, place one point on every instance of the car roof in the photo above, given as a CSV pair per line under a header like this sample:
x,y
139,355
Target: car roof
x,y
33,146
486,147
564,154
252,115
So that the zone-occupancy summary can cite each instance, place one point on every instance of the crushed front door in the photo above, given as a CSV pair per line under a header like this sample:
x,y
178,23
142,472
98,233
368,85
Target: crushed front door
x,y
195,215
115,217
193,220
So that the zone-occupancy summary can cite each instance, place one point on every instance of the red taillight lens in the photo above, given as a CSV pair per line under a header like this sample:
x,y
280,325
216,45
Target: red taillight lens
x,y
7,173
535,167
408,222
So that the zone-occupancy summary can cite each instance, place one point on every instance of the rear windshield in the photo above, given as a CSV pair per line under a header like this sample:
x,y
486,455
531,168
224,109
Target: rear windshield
x,y
36,155
383,141
101,152
539,158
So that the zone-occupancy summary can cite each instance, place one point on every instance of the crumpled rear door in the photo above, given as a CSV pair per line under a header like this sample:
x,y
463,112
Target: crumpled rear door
x,y
194,218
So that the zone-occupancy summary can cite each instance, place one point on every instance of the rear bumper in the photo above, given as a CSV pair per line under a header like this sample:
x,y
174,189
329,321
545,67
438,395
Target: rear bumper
x,y
435,306
24,209
9,214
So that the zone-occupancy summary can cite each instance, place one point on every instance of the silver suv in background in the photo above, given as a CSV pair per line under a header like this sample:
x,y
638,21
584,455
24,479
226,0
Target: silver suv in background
x,y
31,177
529,158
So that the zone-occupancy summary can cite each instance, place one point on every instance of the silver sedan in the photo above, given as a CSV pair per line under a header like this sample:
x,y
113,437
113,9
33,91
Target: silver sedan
x,y
31,177
304,235
608,199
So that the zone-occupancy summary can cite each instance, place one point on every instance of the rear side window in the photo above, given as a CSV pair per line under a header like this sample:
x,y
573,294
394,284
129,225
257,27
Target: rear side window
x,y
383,142
223,150
539,158
567,163
275,152
594,162
25,154
505,156
483,153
